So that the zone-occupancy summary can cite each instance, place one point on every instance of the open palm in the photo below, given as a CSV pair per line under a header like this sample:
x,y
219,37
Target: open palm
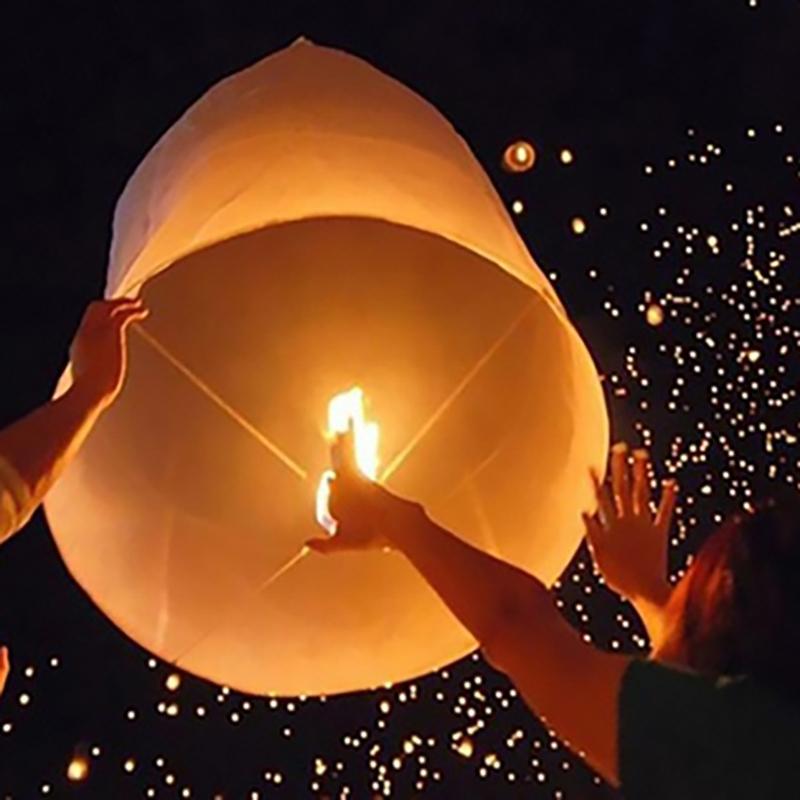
x,y
627,539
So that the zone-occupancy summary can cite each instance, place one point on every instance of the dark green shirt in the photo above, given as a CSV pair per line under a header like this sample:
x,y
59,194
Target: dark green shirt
x,y
687,737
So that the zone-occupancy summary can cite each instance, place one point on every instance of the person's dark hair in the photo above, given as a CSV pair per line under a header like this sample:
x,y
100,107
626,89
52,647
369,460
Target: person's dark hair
x,y
737,611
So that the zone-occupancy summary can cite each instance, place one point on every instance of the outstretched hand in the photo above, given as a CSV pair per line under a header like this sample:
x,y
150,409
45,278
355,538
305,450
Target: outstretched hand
x,y
627,540
99,349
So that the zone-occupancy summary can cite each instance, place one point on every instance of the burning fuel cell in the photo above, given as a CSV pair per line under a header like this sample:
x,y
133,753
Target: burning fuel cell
x,y
309,225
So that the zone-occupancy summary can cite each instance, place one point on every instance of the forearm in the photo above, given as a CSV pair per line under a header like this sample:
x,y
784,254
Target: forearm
x,y
40,445
512,615
487,595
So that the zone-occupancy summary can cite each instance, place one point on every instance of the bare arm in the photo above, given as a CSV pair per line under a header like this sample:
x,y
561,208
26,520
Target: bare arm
x,y
36,449
511,614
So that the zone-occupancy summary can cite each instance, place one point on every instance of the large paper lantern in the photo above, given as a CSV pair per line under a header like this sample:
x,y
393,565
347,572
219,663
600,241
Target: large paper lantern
x,y
307,226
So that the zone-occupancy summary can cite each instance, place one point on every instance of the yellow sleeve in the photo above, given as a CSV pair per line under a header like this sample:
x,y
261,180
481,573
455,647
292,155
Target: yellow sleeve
x,y
15,500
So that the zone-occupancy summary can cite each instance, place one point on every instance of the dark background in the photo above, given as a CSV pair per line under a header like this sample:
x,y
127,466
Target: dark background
x,y
87,88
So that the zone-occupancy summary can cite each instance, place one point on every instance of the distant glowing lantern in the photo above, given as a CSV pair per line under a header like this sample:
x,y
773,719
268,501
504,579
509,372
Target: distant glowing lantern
x,y
519,157
654,314
464,746
78,769
311,225
578,225
565,156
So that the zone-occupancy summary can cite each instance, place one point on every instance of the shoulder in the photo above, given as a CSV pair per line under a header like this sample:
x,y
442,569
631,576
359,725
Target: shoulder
x,y
683,734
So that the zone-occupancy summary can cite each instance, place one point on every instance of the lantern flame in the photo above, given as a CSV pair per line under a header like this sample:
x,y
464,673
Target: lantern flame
x,y
346,414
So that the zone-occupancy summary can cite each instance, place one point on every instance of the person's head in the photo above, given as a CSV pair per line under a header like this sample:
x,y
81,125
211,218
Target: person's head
x,y
737,610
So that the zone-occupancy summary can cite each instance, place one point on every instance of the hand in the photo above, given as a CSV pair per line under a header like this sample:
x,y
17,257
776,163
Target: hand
x,y
99,350
366,513
5,667
628,542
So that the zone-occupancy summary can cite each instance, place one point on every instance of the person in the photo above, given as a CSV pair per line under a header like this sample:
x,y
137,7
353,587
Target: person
x,y
36,449
654,727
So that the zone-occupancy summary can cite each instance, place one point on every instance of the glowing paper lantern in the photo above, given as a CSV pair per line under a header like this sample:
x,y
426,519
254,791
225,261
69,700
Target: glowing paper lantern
x,y
78,769
307,226
519,157
654,314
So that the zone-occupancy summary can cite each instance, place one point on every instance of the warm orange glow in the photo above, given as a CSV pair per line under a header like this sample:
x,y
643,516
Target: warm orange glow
x,y
654,314
78,769
401,272
346,412
464,747
578,225
519,157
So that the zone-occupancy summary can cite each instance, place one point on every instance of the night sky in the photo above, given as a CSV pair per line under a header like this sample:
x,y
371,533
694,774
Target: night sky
x,y
665,186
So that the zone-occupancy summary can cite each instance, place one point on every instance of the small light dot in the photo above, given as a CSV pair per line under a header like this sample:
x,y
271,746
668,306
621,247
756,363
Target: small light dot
x,y
566,156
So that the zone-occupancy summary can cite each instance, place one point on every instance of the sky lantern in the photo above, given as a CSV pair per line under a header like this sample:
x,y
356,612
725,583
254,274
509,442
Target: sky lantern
x,y
310,229
519,156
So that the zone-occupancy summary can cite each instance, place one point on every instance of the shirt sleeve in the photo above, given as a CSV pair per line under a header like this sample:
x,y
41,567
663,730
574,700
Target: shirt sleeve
x,y
15,500
684,736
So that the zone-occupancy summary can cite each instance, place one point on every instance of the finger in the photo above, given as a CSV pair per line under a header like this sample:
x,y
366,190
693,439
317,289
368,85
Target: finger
x,y
641,482
605,506
348,454
669,495
100,312
620,479
130,315
341,452
124,307
594,530
594,534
